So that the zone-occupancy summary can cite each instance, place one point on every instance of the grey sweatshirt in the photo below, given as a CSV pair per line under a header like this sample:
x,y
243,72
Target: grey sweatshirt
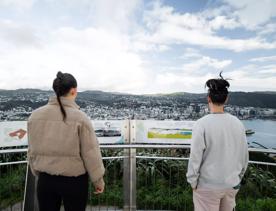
x,y
219,152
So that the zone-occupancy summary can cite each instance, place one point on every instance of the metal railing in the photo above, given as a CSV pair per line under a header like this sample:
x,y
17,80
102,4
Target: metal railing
x,y
146,177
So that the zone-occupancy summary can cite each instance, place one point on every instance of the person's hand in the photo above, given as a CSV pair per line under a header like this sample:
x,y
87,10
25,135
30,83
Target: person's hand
x,y
99,186
99,190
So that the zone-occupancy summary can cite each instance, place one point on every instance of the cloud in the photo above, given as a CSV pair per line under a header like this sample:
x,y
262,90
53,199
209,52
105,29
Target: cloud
x,y
129,46
119,15
269,70
99,59
18,35
252,13
99,54
190,76
173,82
267,29
219,22
191,53
203,64
263,59
166,26
250,77
17,4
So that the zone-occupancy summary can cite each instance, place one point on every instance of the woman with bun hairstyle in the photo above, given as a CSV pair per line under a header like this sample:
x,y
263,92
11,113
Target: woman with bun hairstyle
x,y
64,150
219,153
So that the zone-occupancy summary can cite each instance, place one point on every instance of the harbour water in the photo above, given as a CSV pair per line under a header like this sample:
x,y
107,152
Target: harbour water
x,y
265,133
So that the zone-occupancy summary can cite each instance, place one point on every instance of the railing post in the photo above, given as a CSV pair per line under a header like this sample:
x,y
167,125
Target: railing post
x,y
129,170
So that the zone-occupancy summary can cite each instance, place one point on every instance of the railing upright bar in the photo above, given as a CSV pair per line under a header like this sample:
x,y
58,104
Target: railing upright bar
x,y
129,170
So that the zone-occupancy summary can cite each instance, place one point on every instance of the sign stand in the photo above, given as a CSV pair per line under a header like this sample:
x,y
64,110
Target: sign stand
x,y
129,171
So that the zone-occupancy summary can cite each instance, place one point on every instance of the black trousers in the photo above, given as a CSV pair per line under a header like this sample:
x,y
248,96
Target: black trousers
x,y
53,190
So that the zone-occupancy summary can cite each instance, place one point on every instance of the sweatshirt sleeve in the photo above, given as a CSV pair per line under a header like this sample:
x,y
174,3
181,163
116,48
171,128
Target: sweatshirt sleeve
x,y
245,156
196,154
91,154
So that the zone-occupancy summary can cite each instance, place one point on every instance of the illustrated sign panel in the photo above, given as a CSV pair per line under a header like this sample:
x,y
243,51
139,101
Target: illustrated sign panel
x,y
14,133
109,132
112,132
167,132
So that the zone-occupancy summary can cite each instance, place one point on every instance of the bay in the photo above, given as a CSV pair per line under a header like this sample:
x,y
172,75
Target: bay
x,y
265,133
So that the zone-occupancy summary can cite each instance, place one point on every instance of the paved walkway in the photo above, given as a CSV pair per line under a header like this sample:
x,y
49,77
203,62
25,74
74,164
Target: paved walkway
x,y
17,207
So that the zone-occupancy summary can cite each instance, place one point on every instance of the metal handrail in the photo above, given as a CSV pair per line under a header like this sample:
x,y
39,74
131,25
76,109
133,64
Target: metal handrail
x,y
142,146
144,157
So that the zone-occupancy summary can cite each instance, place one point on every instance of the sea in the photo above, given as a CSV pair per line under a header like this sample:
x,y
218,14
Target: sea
x,y
265,133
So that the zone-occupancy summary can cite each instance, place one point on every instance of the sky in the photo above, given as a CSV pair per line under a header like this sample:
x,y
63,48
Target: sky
x,y
138,47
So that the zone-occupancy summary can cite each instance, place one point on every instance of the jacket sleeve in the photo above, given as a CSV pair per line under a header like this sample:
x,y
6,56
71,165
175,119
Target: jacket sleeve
x,y
245,156
196,154
29,157
91,154
34,172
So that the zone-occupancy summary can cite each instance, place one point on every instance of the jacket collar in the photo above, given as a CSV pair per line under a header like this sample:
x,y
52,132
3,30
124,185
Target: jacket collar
x,y
66,102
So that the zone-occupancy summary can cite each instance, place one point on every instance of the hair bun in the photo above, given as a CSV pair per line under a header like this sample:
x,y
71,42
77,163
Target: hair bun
x,y
218,85
60,75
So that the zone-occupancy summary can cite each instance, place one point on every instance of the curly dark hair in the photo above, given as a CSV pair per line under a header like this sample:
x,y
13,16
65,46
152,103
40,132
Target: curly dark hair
x,y
218,89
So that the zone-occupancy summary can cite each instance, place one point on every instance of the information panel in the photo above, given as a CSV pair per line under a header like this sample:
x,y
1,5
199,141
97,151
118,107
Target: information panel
x,y
164,132
14,133
113,132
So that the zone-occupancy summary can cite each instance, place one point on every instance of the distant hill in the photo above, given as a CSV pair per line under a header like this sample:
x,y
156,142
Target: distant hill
x,y
254,99
250,99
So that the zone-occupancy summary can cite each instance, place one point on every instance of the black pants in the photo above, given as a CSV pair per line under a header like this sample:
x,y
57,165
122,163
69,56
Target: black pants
x,y
52,190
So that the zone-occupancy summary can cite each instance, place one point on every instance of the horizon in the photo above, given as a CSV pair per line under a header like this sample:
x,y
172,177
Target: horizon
x,y
143,94
138,46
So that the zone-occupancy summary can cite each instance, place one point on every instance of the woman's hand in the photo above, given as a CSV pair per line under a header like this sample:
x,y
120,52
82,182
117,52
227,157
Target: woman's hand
x,y
99,190
99,186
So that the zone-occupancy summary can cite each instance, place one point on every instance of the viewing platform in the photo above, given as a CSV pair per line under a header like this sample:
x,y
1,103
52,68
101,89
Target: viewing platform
x,y
146,164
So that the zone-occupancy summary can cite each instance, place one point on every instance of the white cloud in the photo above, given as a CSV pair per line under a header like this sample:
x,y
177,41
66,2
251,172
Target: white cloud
x,y
119,15
165,26
263,59
17,4
173,82
114,51
223,22
267,29
246,79
190,76
252,13
204,63
191,53
18,34
99,59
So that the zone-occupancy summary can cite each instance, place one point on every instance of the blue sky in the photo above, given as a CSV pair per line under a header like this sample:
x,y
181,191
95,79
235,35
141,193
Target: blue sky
x,y
138,46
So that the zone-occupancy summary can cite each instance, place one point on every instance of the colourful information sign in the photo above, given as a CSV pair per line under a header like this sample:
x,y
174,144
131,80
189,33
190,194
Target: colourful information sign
x,y
164,132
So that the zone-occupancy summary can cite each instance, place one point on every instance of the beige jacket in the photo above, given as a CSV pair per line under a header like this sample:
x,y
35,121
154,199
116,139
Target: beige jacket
x,y
67,148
